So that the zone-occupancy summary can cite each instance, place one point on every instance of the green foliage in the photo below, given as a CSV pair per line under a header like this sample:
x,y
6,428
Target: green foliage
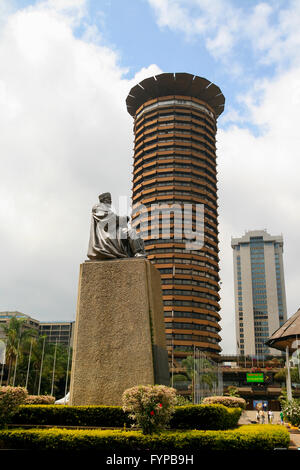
x,y
207,377
10,400
232,391
205,417
291,411
179,378
254,438
184,417
283,397
63,415
23,348
47,369
16,337
150,406
280,376
189,365
182,401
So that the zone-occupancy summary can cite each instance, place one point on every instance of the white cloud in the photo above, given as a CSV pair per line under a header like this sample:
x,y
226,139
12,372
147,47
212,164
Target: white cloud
x,y
214,21
146,72
271,32
222,43
65,136
172,14
259,184
258,174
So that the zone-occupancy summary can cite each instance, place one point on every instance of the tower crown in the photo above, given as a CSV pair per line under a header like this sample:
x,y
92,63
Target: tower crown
x,y
184,84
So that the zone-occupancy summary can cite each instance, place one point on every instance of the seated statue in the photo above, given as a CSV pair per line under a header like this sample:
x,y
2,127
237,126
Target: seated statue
x,y
110,235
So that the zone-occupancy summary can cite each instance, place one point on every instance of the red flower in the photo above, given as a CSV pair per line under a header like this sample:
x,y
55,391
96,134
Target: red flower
x,y
160,405
152,413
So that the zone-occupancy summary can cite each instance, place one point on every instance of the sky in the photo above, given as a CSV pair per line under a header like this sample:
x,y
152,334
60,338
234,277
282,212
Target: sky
x,y
66,67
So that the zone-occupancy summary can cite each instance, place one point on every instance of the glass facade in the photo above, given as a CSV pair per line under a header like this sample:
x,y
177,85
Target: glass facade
x,y
259,294
259,290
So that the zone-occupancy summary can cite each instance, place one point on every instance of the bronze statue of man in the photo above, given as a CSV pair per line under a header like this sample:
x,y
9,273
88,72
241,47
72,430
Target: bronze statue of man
x,y
110,236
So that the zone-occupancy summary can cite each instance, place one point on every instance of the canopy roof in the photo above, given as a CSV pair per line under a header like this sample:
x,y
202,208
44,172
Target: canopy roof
x,y
286,334
166,84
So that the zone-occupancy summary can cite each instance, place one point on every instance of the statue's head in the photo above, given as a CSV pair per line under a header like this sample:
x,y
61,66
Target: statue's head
x,y
105,198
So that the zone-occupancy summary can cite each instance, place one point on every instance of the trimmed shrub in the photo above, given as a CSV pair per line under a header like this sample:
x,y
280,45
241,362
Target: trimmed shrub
x,y
254,438
64,415
150,406
229,401
39,400
184,417
205,417
10,400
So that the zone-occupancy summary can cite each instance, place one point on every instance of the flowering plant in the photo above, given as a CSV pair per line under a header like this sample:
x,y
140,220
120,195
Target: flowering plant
x,y
150,406
291,411
230,402
39,400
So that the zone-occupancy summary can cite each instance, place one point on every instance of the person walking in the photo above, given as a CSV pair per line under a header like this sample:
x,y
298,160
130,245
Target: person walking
x,y
262,417
264,406
281,417
270,417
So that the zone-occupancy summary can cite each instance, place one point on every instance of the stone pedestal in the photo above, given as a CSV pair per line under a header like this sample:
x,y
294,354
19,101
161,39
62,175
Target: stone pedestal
x,y
119,338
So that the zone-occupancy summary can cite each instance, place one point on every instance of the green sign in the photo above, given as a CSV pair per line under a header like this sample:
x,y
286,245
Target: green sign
x,y
255,377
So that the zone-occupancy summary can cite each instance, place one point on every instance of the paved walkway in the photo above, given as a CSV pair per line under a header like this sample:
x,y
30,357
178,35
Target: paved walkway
x,y
249,417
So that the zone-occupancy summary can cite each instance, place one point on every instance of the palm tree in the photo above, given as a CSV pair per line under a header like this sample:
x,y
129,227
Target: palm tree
x,y
189,364
195,369
16,335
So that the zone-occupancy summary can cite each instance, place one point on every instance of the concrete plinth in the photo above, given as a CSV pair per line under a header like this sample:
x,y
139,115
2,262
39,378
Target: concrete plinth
x,y
119,339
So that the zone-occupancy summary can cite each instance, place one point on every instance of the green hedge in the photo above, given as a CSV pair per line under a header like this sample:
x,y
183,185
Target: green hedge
x,y
61,415
205,417
185,417
249,437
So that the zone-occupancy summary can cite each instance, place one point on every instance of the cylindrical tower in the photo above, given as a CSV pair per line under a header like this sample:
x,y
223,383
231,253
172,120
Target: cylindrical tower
x,y
175,171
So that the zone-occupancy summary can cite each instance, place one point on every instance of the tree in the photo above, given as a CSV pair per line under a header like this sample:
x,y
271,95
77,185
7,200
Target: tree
x,y
16,335
232,391
201,370
280,376
30,360
43,368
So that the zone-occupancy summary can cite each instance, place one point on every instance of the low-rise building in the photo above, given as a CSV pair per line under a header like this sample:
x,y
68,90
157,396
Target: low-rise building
x,y
56,331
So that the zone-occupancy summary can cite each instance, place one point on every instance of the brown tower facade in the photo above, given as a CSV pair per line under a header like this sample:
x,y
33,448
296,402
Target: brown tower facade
x,y
174,174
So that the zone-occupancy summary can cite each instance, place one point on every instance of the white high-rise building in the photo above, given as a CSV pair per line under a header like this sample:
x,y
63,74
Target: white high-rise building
x,y
260,299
